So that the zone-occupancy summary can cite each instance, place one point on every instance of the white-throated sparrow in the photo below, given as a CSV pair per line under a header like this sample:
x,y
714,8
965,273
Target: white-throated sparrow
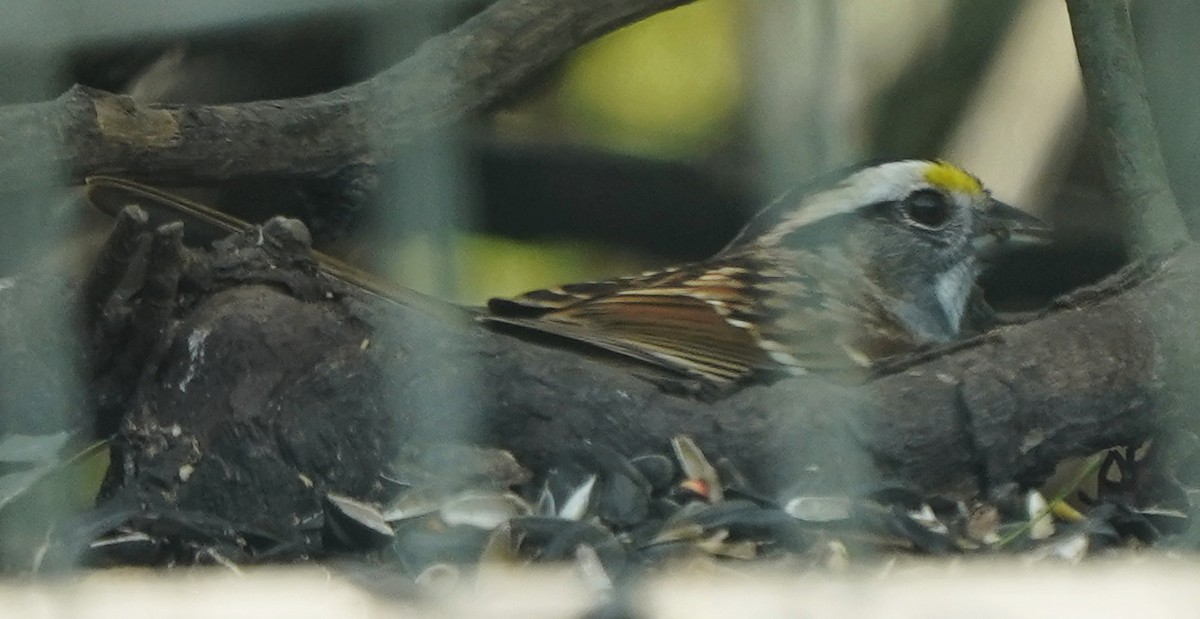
x,y
835,276
881,261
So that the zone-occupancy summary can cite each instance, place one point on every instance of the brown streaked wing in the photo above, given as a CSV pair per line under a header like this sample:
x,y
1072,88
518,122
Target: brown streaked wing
x,y
544,300
678,333
816,339
678,319
842,326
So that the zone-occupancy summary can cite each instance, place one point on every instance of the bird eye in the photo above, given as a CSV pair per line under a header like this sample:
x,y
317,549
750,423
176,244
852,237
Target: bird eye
x,y
927,208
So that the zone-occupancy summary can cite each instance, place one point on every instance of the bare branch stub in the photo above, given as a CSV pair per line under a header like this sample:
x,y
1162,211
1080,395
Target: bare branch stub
x,y
450,77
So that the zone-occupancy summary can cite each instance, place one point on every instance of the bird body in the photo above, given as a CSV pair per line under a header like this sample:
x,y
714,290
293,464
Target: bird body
x,y
837,276
880,262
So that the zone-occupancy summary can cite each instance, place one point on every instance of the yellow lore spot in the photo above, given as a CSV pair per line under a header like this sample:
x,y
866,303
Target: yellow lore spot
x,y
950,177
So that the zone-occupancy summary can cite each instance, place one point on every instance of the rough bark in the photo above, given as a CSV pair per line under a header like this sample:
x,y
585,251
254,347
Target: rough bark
x,y
87,131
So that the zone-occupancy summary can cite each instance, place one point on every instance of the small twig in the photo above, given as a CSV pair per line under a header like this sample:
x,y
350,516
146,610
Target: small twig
x,y
1116,98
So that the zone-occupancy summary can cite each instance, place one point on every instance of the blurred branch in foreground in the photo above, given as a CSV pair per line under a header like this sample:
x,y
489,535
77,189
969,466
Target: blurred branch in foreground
x,y
1116,95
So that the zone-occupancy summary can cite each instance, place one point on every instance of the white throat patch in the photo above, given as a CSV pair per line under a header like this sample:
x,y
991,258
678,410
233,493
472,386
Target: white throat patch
x,y
952,288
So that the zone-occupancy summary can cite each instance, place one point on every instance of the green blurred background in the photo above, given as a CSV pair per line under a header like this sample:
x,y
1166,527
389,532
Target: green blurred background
x,y
650,145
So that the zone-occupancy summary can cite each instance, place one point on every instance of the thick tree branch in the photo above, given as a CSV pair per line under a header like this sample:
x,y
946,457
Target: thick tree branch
x,y
451,76
321,375
1080,379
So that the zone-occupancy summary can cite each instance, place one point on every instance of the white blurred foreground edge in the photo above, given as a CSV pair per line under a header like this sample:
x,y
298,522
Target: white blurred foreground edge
x,y
1132,587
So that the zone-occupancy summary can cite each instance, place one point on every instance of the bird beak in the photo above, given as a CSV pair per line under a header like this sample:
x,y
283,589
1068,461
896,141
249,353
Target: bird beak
x,y
1002,224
